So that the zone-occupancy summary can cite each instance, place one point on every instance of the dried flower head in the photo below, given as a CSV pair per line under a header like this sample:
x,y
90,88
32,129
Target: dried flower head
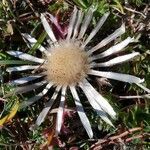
x,y
69,63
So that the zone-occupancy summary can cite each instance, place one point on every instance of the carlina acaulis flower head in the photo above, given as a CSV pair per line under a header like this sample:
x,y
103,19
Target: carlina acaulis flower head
x,y
69,63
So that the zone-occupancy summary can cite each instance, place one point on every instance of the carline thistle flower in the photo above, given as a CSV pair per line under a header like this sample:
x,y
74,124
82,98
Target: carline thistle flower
x,y
69,63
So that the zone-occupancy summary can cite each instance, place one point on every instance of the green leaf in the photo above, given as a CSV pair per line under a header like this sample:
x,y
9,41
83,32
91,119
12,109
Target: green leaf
x,y
12,62
39,41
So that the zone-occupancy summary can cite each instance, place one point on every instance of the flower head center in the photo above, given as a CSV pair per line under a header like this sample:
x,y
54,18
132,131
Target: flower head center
x,y
68,64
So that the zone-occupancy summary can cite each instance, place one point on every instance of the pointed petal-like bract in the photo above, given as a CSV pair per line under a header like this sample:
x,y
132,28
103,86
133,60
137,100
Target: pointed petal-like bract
x,y
37,97
25,56
96,29
48,28
114,49
99,99
78,22
110,38
61,110
117,76
86,22
143,87
72,23
21,68
30,87
117,60
81,112
49,104
95,105
24,80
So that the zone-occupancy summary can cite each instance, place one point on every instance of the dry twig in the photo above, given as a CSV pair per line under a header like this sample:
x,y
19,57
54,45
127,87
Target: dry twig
x,y
116,139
